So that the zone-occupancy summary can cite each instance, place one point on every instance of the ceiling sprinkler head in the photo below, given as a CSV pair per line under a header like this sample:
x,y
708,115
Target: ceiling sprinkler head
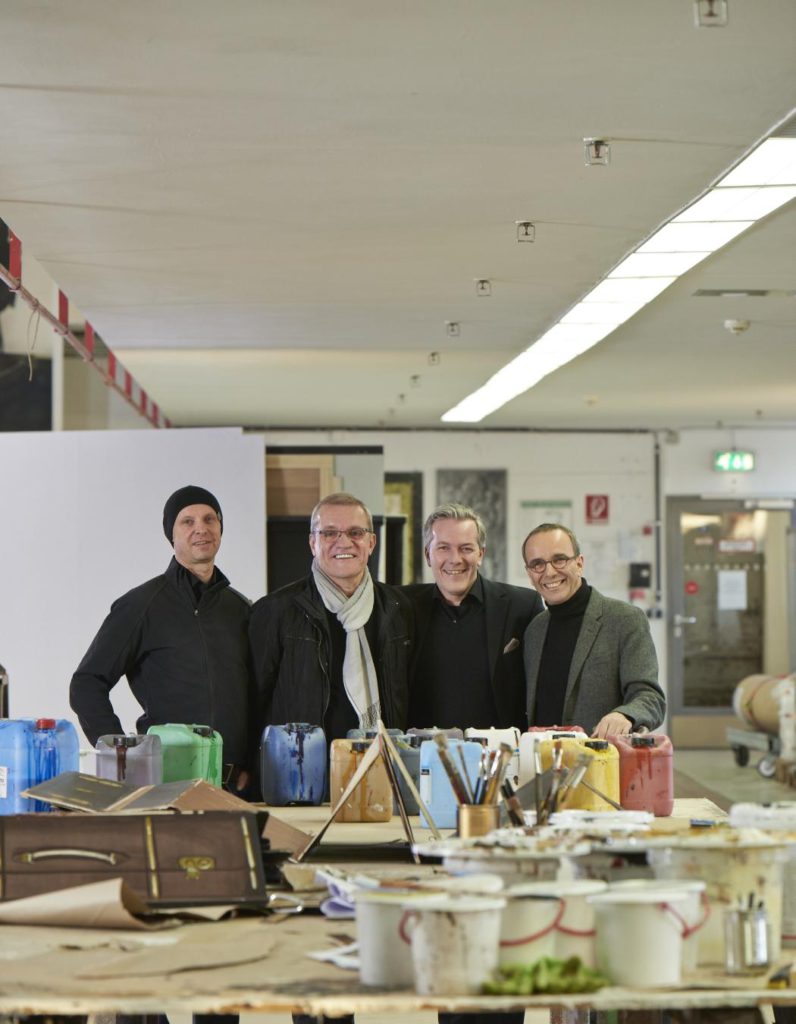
x,y
736,326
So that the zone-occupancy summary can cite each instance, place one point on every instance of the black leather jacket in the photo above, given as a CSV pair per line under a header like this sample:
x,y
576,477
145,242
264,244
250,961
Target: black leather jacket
x,y
291,650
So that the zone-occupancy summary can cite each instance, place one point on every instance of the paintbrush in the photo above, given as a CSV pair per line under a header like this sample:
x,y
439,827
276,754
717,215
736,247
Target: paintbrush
x,y
465,776
458,787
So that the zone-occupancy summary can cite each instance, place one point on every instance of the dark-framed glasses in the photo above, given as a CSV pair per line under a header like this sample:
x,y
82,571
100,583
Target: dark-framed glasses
x,y
538,565
355,533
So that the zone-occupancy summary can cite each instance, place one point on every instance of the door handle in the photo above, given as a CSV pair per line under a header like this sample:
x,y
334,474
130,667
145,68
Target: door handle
x,y
684,620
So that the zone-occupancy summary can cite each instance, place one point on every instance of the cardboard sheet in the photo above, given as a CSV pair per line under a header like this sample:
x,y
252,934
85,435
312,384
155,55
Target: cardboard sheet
x,y
76,791
106,904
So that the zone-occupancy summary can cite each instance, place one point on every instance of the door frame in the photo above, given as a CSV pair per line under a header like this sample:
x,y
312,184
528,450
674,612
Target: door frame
x,y
675,504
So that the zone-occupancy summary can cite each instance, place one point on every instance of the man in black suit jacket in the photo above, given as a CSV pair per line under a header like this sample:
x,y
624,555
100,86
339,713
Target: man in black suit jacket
x,y
467,669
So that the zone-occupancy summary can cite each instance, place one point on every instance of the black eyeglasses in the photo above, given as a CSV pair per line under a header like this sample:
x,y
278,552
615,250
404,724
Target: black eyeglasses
x,y
355,533
538,565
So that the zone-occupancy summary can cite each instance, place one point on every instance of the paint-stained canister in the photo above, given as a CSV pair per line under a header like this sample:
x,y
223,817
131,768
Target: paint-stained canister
x,y
189,752
530,742
293,759
646,776
137,760
33,751
372,798
602,773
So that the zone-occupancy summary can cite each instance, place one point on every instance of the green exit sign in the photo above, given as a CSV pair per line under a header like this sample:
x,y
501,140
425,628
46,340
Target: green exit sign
x,y
733,462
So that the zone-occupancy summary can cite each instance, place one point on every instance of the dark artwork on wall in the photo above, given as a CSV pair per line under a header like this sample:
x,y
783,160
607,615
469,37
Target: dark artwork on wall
x,y
25,404
403,496
485,491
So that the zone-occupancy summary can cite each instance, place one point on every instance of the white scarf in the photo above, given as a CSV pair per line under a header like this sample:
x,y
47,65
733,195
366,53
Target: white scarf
x,y
359,672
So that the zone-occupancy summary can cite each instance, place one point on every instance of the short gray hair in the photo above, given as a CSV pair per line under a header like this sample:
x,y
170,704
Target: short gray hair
x,y
340,498
452,510
548,528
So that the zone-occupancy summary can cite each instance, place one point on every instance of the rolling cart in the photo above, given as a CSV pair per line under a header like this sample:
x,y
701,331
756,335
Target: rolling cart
x,y
741,741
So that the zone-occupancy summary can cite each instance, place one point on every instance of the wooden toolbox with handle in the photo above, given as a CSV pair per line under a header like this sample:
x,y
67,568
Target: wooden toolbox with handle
x,y
169,860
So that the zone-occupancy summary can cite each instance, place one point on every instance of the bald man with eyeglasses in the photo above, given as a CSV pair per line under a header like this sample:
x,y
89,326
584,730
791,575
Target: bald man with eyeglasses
x,y
332,649
589,659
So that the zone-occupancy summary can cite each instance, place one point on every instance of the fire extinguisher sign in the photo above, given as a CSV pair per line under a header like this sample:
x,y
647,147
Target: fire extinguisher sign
x,y
597,508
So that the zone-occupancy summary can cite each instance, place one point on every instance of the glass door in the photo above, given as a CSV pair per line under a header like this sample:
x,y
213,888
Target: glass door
x,y
729,567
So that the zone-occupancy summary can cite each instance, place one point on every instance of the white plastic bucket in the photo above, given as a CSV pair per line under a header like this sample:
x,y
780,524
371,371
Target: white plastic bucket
x,y
383,959
609,866
528,927
696,911
640,936
730,872
571,932
454,942
512,869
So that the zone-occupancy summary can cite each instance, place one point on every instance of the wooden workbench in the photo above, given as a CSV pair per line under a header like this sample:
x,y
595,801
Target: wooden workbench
x,y
260,964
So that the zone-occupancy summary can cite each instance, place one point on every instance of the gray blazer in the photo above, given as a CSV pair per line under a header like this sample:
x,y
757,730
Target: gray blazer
x,y
614,666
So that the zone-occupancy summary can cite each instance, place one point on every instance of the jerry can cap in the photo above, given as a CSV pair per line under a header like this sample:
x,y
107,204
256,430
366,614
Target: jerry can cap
x,y
642,741
202,730
125,741
597,744
45,723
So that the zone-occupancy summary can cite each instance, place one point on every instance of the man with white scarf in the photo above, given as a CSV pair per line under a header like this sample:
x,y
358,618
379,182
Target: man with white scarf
x,y
332,649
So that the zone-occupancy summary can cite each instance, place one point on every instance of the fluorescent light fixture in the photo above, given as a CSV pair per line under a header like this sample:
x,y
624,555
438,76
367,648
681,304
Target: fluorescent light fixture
x,y
761,183
561,344
723,204
628,289
772,163
657,264
601,312
694,237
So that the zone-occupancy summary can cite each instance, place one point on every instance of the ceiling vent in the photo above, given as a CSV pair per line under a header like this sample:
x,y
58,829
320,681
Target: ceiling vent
x,y
734,293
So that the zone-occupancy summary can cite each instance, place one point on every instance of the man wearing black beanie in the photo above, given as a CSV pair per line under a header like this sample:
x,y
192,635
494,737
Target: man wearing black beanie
x,y
181,641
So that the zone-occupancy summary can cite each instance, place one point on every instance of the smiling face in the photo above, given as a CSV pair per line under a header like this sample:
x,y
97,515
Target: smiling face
x,y
454,556
555,585
197,536
343,559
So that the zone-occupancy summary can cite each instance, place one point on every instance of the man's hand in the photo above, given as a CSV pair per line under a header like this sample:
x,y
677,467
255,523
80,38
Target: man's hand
x,y
612,724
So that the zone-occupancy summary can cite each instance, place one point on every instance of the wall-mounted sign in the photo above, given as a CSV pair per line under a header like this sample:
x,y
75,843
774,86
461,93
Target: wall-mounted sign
x,y
692,587
597,508
733,461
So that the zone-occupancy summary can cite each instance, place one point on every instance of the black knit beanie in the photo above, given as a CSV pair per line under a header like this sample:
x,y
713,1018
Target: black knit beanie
x,y
190,495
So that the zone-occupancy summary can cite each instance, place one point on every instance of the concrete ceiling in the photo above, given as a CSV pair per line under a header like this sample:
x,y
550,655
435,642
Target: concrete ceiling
x,y
269,210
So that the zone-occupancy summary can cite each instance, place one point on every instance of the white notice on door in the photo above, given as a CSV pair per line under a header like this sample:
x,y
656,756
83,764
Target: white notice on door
x,y
732,590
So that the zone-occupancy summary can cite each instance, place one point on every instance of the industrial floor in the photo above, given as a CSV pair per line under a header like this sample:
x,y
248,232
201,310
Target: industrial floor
x,y
698,773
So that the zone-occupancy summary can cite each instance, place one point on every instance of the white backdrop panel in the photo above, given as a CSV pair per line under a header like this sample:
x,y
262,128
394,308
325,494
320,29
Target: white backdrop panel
x,y
82,524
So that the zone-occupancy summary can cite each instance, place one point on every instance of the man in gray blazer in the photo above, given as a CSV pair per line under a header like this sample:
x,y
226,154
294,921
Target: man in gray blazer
x,y
589,659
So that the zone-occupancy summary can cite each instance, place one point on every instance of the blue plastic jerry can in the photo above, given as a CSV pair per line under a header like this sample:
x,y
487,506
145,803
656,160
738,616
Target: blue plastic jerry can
x,y
33,751
293,764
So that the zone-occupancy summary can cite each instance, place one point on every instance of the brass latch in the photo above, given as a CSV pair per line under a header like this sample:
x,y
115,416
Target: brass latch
x,y
194,866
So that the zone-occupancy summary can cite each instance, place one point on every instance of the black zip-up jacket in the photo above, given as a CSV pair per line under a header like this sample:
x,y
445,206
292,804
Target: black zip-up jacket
x,y
186,660
291,651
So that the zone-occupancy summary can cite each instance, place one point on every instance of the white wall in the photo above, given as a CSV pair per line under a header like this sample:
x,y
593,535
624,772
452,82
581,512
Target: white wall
x,y
82,524
687,460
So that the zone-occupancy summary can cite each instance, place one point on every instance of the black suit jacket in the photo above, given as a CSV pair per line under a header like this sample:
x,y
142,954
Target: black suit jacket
x,y
508,611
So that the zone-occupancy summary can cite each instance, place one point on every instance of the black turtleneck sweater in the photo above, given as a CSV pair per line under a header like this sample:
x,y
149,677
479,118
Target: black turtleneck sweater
x,y
559,646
